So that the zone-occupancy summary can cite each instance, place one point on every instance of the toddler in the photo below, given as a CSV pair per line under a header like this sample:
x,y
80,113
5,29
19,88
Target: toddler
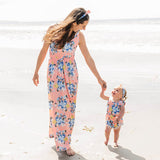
x,y
115,111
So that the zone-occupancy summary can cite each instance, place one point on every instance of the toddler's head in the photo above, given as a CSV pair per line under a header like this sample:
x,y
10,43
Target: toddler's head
x,y
119,93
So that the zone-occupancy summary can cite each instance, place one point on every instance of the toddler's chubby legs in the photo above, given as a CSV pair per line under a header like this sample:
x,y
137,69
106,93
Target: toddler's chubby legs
x,y
107,133
116,136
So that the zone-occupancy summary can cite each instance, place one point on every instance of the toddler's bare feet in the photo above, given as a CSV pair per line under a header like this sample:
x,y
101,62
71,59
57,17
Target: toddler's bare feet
x,y
70,152
115,145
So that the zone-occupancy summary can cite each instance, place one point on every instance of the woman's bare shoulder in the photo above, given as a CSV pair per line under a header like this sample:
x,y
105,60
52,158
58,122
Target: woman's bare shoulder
x,y
81,38
81,34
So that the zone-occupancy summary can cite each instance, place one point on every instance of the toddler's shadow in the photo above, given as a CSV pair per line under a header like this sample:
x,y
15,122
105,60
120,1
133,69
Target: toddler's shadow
x,y
63,156
124,153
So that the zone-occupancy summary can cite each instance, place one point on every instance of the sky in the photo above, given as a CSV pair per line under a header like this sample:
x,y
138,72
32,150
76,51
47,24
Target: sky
x,y
49,10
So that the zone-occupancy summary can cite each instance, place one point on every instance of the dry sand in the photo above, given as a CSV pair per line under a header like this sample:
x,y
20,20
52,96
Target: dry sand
x,y
24,113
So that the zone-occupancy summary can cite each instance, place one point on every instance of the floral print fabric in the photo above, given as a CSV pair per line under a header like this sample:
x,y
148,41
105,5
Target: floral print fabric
x,y
62,82
113,110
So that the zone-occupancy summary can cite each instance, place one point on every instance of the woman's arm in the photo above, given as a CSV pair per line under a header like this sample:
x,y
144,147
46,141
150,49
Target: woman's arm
x,y
89,60
41,56
40,60
43,52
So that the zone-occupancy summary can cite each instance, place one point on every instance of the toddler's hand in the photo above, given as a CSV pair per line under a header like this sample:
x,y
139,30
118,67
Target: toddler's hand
x,y
116,120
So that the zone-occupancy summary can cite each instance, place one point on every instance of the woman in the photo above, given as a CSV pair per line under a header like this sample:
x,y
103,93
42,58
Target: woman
x,y
62,77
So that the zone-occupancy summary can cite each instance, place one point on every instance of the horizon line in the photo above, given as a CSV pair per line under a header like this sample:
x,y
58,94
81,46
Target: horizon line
x,y
91,21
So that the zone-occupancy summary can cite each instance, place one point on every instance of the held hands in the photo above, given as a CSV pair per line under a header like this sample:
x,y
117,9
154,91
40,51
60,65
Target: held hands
x,y
103,84
36,79
104,87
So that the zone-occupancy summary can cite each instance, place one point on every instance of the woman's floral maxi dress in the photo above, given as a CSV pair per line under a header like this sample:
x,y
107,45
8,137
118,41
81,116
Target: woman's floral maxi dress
x,y
62,81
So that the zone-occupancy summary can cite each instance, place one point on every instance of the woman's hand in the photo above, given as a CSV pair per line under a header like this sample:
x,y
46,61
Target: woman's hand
x,y
102,83
36,79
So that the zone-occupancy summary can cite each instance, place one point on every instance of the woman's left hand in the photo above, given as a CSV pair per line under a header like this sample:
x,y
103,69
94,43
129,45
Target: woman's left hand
x,y
102,83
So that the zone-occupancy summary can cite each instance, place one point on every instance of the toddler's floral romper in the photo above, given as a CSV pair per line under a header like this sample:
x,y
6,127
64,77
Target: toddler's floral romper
x,y
62,81
113,110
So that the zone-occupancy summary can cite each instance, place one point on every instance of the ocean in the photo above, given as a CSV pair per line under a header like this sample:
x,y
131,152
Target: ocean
x,y
141,35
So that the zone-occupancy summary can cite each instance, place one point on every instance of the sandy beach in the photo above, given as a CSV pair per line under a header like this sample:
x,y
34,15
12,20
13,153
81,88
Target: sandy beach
x,y
125,53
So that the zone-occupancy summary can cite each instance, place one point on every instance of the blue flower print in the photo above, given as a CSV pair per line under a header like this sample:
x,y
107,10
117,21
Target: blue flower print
x,y
60,65
62,148
110,123
50,86
52,47
62,102
70,69
51,68
71,122
71,88
60,83
68,46
69,138
61,136
50,104
73,107
60,119
51,136
121,103
50,122
115,109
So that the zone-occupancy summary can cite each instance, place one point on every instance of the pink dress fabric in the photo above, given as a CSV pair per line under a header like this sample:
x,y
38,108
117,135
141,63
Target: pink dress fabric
x,y
62,82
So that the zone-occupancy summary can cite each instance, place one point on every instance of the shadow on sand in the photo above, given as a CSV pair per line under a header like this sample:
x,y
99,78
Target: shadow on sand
x,y
63,156
124,153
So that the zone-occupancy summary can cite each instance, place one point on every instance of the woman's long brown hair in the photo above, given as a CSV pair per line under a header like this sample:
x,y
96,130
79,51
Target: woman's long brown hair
x,y
59,33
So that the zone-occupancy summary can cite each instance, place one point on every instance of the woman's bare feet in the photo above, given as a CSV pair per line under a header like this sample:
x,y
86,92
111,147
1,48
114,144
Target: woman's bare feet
x,y
70,152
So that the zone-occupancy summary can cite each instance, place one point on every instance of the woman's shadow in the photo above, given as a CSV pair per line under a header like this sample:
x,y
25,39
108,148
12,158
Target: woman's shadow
x,y
123,153
63,156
